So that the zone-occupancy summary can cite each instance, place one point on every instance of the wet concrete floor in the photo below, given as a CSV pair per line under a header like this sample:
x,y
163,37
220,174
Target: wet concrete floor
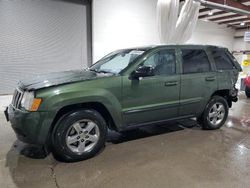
x,y
172,155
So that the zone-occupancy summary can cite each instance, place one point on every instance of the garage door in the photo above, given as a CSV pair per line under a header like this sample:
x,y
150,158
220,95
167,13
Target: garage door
x,y
40,36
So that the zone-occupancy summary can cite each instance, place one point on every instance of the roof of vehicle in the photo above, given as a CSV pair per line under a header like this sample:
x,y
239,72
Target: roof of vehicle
x,y
145,48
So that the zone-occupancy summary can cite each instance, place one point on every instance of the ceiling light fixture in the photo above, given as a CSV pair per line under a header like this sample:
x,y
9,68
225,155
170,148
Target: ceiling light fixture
x,y
242,23
210,13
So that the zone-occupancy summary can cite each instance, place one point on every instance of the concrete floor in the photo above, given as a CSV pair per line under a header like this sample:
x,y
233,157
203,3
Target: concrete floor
x,y
165,156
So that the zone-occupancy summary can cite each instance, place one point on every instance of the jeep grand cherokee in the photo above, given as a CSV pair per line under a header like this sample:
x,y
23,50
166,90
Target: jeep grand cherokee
x,y
70,112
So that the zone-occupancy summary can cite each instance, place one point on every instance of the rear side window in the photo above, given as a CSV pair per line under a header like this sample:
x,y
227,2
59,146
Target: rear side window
x,y
222,60
195,61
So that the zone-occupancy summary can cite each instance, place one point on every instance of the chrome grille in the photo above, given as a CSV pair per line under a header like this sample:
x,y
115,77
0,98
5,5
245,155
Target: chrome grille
x,y
17,98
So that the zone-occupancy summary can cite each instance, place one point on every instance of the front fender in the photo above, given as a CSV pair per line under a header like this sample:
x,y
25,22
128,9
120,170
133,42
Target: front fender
x,y
54,103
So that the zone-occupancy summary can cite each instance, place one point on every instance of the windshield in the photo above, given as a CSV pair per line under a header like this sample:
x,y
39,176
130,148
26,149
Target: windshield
x,y
116,61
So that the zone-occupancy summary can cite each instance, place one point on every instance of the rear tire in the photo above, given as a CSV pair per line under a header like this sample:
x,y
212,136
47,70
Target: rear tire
x,y
79,135
247,91
215,113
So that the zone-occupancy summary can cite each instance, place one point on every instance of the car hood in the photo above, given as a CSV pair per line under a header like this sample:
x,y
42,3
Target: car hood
x,y
58,78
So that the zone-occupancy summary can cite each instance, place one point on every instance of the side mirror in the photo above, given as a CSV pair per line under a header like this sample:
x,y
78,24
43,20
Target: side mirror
x,y
142,71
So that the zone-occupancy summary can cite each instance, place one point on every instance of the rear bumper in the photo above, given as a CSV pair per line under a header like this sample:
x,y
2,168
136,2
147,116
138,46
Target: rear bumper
x,y
30,127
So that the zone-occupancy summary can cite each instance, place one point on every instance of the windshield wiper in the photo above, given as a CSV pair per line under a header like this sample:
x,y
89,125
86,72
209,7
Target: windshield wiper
x,y
94,70
101,71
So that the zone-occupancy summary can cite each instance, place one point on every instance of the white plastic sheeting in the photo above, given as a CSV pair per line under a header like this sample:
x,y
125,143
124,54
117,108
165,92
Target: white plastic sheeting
x,y
167,15
175,27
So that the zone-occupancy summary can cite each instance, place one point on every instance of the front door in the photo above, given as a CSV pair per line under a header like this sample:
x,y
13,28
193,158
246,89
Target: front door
x,y
156,97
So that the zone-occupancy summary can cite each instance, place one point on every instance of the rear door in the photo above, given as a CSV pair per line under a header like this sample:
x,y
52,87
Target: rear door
x,y
198,80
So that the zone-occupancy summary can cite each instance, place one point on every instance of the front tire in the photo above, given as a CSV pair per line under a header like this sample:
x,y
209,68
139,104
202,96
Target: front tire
x,y
215,113
247,91
79,135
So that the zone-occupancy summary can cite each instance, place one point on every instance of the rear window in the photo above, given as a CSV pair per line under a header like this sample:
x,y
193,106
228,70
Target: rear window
x,y
195,61
222,60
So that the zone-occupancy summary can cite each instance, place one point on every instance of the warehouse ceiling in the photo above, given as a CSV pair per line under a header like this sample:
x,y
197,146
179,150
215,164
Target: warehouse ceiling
x,y
237,21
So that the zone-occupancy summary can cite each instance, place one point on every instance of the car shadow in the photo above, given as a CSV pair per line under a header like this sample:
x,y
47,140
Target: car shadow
x,y
150,130
114,137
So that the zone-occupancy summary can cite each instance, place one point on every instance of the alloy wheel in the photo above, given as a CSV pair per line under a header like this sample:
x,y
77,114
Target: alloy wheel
x,y
82,136
216,114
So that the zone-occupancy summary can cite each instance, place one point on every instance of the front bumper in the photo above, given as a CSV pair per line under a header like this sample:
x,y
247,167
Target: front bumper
x,y
30,127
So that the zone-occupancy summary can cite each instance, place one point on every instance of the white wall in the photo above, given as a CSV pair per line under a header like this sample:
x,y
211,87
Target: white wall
x,y
239,43
121,24
214,34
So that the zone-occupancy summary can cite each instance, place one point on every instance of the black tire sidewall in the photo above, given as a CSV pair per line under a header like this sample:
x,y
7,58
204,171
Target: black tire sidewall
x,y
206,123
59,138
247,91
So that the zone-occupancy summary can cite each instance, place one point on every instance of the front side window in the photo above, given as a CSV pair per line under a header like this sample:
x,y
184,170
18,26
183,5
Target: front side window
x,y
162,62
222,60
116,61
195,61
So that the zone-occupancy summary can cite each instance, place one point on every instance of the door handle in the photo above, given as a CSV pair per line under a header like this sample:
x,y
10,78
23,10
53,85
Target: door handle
x,y
210,78
172,83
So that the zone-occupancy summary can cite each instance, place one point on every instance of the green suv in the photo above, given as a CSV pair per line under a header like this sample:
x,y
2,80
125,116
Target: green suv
x,y
70,112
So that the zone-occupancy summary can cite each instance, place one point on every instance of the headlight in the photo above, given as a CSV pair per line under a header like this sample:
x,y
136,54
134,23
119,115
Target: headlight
x,y
29,102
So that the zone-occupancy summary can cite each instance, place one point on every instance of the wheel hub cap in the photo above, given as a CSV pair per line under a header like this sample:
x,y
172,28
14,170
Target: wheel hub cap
x,y
216,114
82,136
